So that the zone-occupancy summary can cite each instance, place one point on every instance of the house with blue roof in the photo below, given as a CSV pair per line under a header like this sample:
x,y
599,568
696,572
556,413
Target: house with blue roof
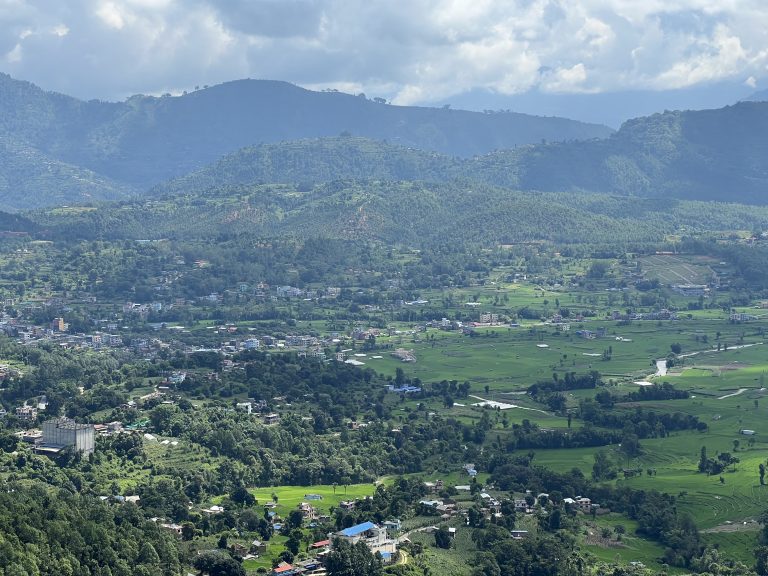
x,y
374,536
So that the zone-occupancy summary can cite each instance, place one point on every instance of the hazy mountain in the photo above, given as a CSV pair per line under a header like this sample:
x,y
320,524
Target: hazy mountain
x,y
30,179
313,161
761,96
146,140
58,149
610,108
706,155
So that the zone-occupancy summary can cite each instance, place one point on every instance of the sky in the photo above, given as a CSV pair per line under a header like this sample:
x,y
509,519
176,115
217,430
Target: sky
x,y
407,51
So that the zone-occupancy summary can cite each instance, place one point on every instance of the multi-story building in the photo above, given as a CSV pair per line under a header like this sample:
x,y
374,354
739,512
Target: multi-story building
x,y
61,433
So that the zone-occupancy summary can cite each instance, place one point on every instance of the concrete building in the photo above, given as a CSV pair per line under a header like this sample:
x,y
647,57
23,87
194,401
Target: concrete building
x,y
61,433
375,537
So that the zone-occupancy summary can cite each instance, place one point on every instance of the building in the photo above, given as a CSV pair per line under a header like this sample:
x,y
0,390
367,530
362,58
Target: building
x,y
61,433
26,413
741,317
691,289
489,318
272,418
374,536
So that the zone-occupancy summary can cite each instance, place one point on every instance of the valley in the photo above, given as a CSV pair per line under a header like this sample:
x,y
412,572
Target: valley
x,y
340,337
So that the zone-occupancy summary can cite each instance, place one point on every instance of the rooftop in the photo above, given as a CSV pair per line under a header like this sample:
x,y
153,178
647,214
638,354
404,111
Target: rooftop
x,y
357,530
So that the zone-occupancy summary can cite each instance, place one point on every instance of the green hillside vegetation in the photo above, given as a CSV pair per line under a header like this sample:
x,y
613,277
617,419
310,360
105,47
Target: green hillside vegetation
x,y
49,531
704,155
59,150
30,178
145,139
402,212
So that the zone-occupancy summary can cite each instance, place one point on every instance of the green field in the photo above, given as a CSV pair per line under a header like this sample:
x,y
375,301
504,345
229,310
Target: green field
x,y
289,497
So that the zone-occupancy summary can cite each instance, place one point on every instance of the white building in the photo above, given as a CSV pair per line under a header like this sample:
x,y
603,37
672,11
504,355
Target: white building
x,y
61,433
374,536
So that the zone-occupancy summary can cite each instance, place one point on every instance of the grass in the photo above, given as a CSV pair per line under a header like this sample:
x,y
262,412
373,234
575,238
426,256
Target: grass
x,y
631,548
289,497
455,561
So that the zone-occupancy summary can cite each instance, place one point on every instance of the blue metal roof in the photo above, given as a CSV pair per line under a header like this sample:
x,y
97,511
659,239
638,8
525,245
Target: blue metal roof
x,y
357,530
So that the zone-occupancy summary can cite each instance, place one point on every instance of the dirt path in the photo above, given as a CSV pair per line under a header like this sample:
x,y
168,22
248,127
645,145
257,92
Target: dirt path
x,y
739,391
748,526
503,405
661,364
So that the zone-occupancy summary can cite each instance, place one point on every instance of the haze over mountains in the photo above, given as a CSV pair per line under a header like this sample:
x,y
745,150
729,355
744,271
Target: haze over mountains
x,y
102,150
705,155
56,150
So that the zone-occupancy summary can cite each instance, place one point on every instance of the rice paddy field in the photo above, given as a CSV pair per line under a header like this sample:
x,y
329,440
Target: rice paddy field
x,y
722,365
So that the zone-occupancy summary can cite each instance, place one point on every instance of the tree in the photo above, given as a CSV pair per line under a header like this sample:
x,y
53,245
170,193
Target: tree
x,y
148,554
761,468
630,445
242,497
294,541
602,469
295,519
761,560
443,537
187,531
703,460
346,559
218,564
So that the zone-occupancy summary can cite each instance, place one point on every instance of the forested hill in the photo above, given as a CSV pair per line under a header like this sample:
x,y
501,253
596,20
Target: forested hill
x,y
145,140
704,155
313,161
410,213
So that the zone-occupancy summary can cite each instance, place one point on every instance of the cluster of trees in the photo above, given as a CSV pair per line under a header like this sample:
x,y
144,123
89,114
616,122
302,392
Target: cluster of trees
x,y
645,423
663,391
713,466
55,532
655,513
528,435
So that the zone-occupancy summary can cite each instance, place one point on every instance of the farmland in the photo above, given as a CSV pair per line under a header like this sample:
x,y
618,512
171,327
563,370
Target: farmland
x,y
283,393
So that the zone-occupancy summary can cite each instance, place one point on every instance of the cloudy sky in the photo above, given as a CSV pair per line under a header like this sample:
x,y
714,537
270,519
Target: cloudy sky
x,y
409,51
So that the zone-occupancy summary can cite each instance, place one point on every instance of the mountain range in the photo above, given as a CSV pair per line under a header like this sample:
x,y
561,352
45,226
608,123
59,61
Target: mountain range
x,y
60,149
697,155
57,150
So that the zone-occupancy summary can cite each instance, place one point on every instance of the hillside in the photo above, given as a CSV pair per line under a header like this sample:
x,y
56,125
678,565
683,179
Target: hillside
x,y
59,150
704,155
398,212
30,179
145,140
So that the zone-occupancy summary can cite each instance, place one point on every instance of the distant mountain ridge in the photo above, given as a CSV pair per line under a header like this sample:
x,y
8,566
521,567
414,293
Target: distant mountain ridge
x,y
59,150
760,96
702,155
126,147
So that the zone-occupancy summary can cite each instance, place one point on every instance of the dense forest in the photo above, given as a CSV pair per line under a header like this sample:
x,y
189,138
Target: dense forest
x,y
62,150
400,212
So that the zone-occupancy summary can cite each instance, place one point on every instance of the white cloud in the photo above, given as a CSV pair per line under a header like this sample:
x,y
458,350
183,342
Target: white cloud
x,y
111,14
14,55
413,52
